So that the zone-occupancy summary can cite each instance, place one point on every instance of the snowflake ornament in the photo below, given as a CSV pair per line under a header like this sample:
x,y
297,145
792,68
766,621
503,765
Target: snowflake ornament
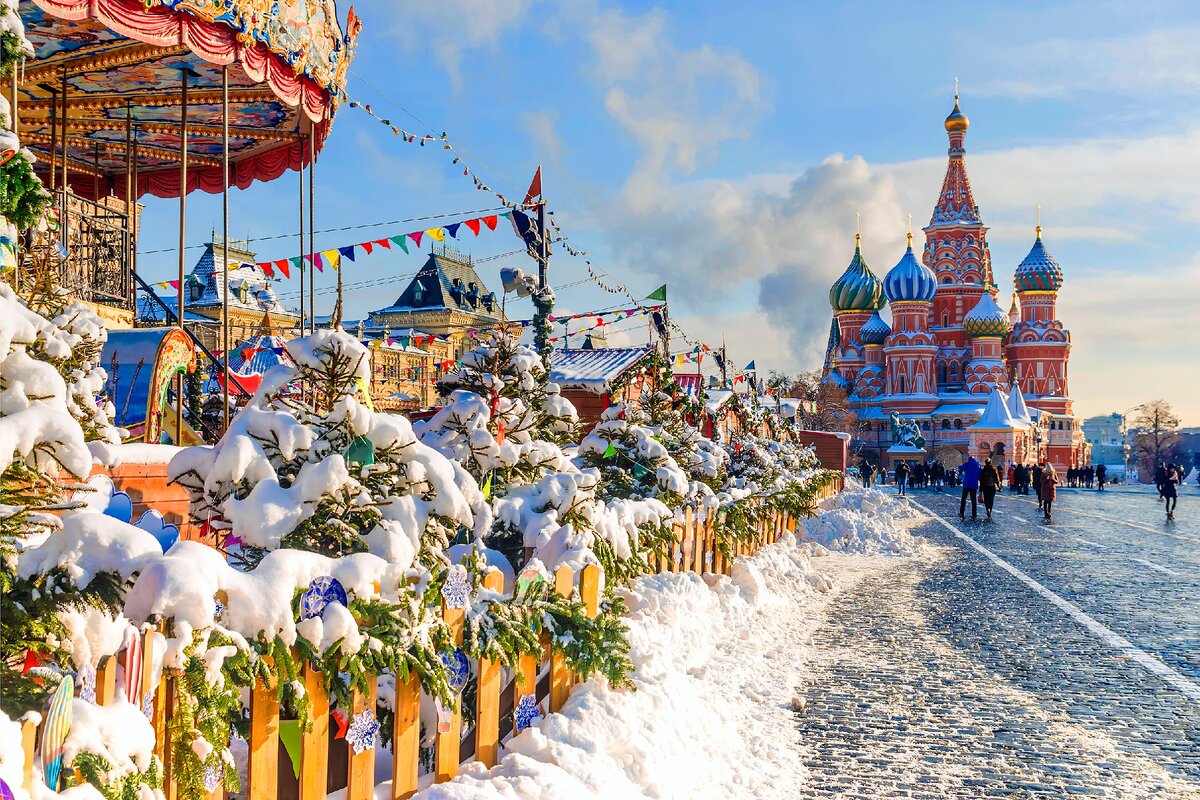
x,y
363,731
458,669
218,610
708,558
148,705
527,712
86,679
320,593
457,588
212,778
678,555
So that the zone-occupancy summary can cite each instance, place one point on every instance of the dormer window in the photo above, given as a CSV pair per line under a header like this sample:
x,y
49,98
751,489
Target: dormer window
x,y
418,290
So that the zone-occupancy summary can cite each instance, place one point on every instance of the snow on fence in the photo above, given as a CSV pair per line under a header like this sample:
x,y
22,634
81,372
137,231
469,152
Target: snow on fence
x,y
327,764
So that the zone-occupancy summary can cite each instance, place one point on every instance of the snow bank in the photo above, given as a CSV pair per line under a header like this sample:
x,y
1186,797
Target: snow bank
x,y
866,521
713,661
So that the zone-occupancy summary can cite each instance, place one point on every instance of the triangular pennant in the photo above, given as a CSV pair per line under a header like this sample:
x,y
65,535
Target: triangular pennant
x,y
384,243
610,451
487,487
331,256
266,267
453,230
283,266
499,433
366,246
473,224
402,241
416,237
490,222
347,251
437,234
173,284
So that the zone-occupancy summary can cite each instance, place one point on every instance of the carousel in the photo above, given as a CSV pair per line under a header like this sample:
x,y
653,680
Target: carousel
x,y
128,98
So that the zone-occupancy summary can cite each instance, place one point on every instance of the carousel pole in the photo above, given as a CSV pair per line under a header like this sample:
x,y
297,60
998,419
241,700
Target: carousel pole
x,y
63,226
179,293
135,221
129,196
53,140
300,171
225,238
312,230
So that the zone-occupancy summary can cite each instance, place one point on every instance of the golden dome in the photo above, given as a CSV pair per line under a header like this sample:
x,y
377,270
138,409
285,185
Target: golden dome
x,y
957,121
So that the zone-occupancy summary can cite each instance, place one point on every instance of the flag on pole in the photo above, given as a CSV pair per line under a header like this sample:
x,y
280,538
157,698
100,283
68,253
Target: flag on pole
x,y
659,294
526,228
750,367
348,251
535,187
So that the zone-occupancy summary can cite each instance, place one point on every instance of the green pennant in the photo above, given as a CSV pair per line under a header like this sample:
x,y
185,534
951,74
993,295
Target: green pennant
x,y
289,734
610,451
639,471
659,294
402,241
361,451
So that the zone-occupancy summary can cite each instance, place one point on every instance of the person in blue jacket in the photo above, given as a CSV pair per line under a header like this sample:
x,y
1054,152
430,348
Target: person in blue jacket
x,y
970,487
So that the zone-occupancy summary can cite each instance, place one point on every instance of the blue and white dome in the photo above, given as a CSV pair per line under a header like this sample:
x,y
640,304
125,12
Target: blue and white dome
x,y
874,330
857,289
910,280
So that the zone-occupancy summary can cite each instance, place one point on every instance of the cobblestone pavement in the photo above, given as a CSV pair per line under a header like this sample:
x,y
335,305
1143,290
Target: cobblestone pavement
x,y
947,677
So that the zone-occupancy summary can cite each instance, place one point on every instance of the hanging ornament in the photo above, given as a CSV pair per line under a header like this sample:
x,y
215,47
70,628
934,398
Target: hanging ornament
x,y
219,606
319,594
133,666
212,777
458,670
148,706
87,683
527,713
363,731
528,578
457,588
6,792
708,558
55,730
361,451
678,555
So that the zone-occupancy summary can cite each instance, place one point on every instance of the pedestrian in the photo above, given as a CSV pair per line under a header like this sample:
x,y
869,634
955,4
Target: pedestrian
x,y
969,472
989,483
865,474
901,477
1170,490
1049,492
1012,478
1160,478
1101,475
1036,476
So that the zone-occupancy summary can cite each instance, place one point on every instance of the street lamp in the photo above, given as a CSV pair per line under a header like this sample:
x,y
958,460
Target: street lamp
x,y
1125,437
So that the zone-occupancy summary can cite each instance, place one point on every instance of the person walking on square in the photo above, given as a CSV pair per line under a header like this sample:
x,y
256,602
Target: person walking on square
x,y
1049,492
1101,474
901,477
989,484
1036,475
1170,490
1160,477
970,487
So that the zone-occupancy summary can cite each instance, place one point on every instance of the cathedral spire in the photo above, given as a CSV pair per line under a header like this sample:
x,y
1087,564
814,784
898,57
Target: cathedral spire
x,y
956,203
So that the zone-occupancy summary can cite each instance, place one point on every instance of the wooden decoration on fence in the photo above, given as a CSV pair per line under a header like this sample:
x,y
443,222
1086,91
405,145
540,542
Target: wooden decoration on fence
x,y
314,743
106,681
487,696
360,783
264,742
406,738
448,744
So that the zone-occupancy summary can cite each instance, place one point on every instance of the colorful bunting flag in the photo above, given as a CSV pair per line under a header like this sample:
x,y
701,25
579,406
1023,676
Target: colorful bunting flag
x,y
347,251
332,257
437,234
473,224
453,229
283,266
416,237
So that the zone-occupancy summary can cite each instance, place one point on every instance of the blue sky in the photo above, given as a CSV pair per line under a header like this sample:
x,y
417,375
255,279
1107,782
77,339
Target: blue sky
x,y
725,148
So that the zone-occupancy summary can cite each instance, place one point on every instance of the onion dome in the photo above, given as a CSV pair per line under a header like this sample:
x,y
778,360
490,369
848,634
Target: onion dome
x,y
874,330
986,319
1039,272
910,279
858,289
957,121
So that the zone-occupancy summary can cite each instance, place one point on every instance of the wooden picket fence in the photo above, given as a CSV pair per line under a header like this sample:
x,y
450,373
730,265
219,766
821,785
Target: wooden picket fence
x,y
327,764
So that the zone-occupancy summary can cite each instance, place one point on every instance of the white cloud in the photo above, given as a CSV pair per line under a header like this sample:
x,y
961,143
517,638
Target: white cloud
x,y
451,27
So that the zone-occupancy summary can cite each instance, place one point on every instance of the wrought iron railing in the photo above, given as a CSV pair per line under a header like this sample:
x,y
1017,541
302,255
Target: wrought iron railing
x,y
91,244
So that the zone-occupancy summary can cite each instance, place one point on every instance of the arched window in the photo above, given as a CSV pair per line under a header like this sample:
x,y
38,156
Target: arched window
x,y
941,373
958,424
901,384
946,318
945,424
954,372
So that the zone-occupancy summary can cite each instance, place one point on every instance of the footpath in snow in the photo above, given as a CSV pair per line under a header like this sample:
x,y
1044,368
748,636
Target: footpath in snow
x,y
721,663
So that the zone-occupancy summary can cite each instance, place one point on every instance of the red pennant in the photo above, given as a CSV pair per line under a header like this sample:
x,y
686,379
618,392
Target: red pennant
x,y
385,243
285,267
367,246
473,224
31,661
266,267
343,722
491,222
416,237
535,186
499,433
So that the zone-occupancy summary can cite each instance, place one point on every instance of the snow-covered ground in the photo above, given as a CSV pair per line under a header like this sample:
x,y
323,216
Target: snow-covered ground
x,y
719,661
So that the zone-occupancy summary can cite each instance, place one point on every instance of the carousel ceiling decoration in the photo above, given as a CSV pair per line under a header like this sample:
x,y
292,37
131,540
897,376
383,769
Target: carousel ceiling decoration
x,y
121,65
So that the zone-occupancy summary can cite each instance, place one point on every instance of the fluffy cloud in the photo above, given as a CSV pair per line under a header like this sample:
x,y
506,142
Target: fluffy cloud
x,y
451,27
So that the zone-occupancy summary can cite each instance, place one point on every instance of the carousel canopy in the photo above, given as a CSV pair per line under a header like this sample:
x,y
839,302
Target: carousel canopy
x,y
121,66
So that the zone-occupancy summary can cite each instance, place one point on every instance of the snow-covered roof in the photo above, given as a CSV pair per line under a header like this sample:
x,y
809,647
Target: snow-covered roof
x,y
717,398
596,369
996,415
1016,404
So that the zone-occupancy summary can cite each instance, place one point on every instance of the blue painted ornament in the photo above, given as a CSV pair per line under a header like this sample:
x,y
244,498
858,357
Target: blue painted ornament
x,y
527,712
363,731
153,523
87,683
458,670
320,593
457,588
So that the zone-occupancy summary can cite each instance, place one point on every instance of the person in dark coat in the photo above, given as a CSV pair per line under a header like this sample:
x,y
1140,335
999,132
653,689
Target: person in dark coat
x,y
1101,476
901,477
1036,477
989,484
969,472
1049,492
1160,477
1170,490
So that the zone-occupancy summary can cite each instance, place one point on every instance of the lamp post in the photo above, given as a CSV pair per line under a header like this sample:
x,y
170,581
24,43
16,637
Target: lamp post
x,y
1125,437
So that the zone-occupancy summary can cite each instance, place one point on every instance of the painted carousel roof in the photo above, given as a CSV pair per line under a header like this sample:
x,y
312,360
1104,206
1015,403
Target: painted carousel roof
x,y
123,59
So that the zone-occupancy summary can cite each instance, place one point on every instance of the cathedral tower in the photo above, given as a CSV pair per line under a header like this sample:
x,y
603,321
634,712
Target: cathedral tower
x,y
854,297
1040,345
910,350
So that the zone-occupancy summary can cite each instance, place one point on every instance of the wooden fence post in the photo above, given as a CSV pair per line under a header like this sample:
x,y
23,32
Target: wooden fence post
x,y
28,745
689,539
264,742
406,737
487,696
106,681
448,745
314,743
527,684
564,584
360,770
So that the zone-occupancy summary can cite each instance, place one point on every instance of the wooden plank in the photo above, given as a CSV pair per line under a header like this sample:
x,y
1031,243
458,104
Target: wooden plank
x,y
28,746
689,539
701,544
314,743
106,681
487,696
406,738
527,680
360,782
264,743
564,583
589,589
163,707
446,745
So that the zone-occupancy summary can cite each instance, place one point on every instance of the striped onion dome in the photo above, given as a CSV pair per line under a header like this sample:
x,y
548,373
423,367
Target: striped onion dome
x,y
874,330
1039,272
910,279
986,319
858,289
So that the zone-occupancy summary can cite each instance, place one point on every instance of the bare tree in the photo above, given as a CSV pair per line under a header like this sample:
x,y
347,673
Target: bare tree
x,y
1157,439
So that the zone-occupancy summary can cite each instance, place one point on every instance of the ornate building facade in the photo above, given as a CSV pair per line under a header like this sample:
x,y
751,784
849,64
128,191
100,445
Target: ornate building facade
x,y
975,379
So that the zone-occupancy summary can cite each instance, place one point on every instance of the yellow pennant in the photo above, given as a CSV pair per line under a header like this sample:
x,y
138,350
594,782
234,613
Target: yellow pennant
x,y
438,234
332,257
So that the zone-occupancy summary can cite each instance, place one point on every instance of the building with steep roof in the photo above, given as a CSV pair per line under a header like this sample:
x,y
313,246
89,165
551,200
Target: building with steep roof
x,y
447,298
950,350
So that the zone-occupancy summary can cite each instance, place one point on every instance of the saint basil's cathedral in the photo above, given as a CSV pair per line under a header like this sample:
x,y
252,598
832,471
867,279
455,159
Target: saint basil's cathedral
x,y
953,374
